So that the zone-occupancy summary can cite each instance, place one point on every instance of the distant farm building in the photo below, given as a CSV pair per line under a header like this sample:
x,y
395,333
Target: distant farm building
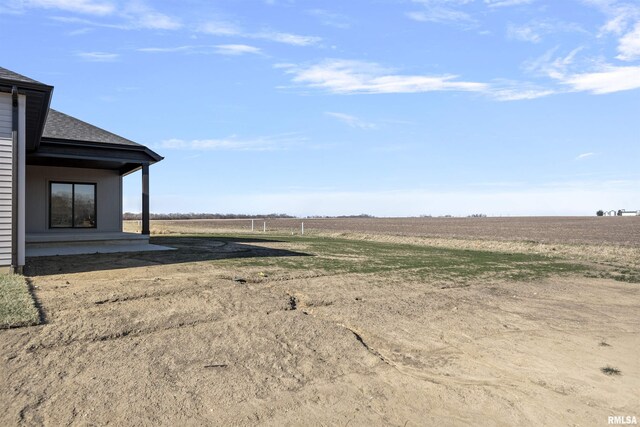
x,y
620,212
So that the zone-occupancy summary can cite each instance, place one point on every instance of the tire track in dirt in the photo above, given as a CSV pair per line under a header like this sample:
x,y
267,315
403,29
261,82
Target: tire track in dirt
x,y
441,380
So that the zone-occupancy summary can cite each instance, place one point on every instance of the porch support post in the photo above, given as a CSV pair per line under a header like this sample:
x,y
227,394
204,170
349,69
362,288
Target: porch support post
x,y
15,268
145,199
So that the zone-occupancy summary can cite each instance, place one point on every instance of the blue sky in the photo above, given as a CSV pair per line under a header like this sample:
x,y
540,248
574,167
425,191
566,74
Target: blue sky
x,y
385,107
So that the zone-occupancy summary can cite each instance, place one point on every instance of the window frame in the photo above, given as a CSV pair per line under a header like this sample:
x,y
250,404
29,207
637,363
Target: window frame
x,y
73,203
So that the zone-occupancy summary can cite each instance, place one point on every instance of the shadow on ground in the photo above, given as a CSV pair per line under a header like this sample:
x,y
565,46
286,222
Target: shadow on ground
x,y
42,315
187,249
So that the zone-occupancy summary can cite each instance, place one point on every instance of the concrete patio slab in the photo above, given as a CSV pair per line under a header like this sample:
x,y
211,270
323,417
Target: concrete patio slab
x,y
93,249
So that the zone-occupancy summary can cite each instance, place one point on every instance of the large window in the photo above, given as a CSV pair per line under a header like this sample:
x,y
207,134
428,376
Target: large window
x,y
72,205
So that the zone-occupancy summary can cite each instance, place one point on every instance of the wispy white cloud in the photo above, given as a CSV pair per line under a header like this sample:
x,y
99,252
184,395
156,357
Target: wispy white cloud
x,y
131,15
351,121
526,33
89,7
185,48
331,19
98,56
549,64
221,49
142,16
234,143
507,3
623,22
441,15
584,156
586,75
615,25
620,14
358,77
236,49
279,2
518,92
349,76
80,31
534,31
137,14
442,11
222,28
11,7
286,38
284,65
629,45
91,23
608,79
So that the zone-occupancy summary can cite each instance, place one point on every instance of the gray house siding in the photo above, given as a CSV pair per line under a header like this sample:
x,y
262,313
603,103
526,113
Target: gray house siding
x,y
108,202
6,179
6,160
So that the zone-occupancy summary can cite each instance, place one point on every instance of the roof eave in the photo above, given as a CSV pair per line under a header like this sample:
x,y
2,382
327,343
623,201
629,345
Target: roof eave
x,y
93,144
43,120
6,85
26,85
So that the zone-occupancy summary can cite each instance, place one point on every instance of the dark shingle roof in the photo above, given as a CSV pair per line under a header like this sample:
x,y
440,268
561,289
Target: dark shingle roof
x,y
63,126
13,76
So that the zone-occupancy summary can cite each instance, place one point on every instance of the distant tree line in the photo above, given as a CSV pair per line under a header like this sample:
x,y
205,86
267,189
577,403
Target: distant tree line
x,y
192,215
340,216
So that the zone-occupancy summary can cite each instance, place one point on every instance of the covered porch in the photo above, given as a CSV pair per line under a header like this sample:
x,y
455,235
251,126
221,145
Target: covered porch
x,y
74,190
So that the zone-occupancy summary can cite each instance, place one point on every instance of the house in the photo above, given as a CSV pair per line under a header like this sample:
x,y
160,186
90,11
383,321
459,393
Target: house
x,y
624,212
60,177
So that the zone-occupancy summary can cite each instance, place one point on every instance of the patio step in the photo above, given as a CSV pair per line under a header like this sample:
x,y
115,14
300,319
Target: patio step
x,y
49,240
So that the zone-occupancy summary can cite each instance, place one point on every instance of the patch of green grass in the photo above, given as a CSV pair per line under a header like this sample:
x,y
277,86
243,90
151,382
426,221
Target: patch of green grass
x,y
17,307
626,275
619,274
336,255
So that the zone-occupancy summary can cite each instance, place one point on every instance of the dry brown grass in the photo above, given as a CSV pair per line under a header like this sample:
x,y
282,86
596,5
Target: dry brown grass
x,y
17,307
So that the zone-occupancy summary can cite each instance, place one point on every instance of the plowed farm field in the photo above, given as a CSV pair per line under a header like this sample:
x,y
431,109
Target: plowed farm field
x,y
623,231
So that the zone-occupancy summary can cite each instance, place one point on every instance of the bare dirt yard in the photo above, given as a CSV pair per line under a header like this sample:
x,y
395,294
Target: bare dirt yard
x,y
359,325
